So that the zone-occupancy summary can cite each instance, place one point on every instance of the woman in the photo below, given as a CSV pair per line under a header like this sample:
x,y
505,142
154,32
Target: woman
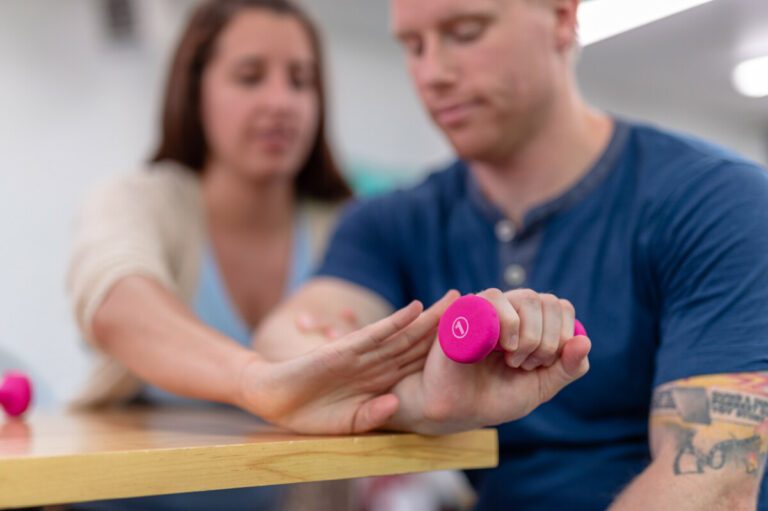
x,y
175,266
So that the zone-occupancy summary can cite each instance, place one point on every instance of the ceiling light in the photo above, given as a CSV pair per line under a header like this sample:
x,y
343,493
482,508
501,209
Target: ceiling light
x,y
601,19
751,77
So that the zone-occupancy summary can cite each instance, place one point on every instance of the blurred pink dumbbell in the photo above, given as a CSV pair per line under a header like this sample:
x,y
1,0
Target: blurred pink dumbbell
x,y
15,393
469,330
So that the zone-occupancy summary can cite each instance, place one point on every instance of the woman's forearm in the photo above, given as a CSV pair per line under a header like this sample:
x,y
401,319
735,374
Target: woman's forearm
x,y
147,329
338,387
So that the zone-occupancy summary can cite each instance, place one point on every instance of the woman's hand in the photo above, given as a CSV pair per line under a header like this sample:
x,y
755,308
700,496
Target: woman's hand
x,y
344,386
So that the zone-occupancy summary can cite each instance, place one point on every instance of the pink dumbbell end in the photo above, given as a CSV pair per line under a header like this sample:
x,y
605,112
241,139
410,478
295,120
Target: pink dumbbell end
x,y
15,393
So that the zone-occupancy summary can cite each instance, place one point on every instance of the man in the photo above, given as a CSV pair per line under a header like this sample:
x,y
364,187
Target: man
x,y
659,242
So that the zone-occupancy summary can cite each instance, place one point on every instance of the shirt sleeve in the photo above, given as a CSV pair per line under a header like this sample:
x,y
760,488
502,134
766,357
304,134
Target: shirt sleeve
x,y
710,256
364,249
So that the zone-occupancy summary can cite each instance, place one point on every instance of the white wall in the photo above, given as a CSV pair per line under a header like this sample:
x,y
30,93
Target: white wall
x,y
377,117
75,108
745,136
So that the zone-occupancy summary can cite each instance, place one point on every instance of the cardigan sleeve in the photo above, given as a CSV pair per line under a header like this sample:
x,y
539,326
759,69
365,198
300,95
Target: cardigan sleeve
x,y
124,228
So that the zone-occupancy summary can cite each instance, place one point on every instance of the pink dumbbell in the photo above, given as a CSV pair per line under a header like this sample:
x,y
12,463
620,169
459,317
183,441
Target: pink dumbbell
x,y
469,330
15,393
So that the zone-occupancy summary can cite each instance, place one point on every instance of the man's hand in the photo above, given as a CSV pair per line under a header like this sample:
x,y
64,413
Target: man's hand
x,y
447,397
534,326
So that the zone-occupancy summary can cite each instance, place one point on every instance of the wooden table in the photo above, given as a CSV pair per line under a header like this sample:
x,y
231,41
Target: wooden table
x,y
65,457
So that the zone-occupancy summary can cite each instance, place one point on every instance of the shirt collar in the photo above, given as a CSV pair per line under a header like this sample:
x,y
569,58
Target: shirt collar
x,y
576,193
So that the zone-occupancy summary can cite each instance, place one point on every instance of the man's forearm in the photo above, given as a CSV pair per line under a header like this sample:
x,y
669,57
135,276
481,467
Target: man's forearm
x,y
279,338
326,300
659,488
709,440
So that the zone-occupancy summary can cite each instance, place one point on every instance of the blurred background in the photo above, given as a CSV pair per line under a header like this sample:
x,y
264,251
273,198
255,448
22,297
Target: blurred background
x,y
80,85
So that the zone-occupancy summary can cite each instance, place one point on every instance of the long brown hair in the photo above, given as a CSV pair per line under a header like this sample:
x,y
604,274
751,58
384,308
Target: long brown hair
x,y
183,140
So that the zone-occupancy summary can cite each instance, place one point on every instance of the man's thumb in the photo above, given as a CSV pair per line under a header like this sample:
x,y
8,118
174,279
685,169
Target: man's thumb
x,y
572,364
374,413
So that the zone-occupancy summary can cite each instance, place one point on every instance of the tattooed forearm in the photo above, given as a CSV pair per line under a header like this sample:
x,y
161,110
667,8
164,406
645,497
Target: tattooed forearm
x,y
715,422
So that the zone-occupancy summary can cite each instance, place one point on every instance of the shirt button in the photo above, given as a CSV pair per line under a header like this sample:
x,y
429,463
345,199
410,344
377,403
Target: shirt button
x,y
514,275
505,231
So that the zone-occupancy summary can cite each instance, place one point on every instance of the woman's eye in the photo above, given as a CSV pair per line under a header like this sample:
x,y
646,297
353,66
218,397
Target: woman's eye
x,y
249,80
302,77
250,74
300,83
302,80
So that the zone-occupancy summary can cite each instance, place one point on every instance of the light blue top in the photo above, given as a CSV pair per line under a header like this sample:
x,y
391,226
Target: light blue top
x,y
214,307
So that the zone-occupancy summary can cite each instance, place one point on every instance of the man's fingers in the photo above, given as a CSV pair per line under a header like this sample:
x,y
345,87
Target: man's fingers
x,y
552,322
528,305
306,323
350,318
569,320
344,324
509,320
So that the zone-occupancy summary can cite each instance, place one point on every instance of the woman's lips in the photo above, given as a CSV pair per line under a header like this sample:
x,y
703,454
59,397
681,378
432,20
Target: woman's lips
x,y
275,140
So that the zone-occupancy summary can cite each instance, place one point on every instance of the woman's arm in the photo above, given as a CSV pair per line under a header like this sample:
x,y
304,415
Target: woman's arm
x,y
154,335
341,387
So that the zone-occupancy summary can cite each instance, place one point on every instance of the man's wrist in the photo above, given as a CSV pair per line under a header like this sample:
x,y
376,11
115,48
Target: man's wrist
x,y
414,414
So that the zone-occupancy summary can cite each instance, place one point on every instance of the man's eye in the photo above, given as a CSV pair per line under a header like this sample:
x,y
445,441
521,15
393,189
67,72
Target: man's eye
x,y
412,46
467,30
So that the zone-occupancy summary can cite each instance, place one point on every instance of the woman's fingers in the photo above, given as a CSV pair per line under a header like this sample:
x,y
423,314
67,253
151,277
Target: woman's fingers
x,y
412,341
418,351
375,334
406,370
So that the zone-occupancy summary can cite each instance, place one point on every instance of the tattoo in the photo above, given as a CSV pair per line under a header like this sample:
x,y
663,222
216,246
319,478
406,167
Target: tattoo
x,y
740,406
716,422
690,460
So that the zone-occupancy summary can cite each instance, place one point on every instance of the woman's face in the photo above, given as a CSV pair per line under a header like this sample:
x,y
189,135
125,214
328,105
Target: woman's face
x,y
259,98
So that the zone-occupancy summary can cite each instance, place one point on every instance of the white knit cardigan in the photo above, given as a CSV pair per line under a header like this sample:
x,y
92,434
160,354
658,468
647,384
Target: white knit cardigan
x,y
149,223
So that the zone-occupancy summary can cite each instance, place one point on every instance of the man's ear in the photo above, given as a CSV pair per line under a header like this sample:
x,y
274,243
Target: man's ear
x,y
566,28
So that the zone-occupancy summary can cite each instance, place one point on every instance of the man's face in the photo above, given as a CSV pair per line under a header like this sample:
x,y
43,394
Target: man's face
x,y
486,70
